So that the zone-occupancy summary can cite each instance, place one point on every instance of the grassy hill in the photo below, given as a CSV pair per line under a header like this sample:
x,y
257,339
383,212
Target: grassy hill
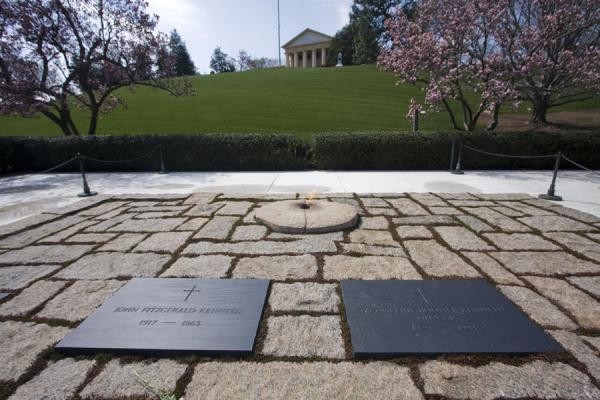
x,y
301,101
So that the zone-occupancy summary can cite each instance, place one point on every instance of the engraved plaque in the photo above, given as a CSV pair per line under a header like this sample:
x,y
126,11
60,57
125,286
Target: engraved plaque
x,y
404,318
166,316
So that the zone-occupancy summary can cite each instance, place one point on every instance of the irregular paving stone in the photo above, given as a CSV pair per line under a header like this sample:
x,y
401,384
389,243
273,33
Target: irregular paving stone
x,y
91,238
204,210
542,203
104,225
460,238
538,308
471,203
374,238
575,214
337,236
425,220
438,261
199,267
304,336
552,223
456,196
581,306
235,208
300,381
311,244
381,211
372,250
123,242
154,215
102,208
503,196
593,341
79,300
492,268
445,210
520,241
79,205
277,268
32,297
509,212
595,236
590,284
474,223
302,296
501,221
217,228
112,214
25,223
537,379
22,343
148,225
193,224
200,198
385,195
32,235
65,233
59,380
17,277
582,352
351,202
526,209
577,243
107,265
544,263
413,232
408,207
126,380
56,254
255,232
428,199
373,223
374,202
370,267
250,218
167,242
159,208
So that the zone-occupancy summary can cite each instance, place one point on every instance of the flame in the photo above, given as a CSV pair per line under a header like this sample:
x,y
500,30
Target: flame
x,y
308,199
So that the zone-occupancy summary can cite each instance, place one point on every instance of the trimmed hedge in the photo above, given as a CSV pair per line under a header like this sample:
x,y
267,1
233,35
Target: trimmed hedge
x,y
431,150
276,152
194,152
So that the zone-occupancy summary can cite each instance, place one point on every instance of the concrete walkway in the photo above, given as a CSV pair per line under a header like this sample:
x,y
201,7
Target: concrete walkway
x,y
37,193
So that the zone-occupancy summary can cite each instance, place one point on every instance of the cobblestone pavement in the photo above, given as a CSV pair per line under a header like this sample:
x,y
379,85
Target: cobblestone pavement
x,y
59,266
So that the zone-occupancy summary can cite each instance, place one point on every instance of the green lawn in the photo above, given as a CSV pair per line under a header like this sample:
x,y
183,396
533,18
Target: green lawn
x,y
301,101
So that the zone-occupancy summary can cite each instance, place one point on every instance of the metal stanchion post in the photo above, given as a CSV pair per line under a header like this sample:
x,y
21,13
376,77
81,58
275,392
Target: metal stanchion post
x,y
458,170
162,162
86,189
452,155
551,195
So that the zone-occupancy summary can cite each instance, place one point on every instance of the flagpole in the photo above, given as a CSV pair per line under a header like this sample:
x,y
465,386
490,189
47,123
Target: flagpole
x,y
278,33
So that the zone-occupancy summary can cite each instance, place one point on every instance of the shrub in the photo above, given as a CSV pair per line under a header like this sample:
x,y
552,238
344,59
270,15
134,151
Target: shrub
x,y
431,150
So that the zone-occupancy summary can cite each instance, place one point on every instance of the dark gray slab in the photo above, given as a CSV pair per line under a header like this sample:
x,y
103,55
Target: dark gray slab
x,y
3,295
399,318
166,316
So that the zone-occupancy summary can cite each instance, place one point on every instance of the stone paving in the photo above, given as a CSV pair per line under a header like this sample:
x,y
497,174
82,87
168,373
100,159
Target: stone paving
x,y
59,266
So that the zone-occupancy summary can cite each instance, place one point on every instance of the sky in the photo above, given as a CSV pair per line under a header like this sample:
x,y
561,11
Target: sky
x,y
245,24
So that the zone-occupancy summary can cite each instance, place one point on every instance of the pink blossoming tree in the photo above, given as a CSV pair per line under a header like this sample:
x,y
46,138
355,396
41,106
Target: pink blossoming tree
x,y
60,54
552,51
449,52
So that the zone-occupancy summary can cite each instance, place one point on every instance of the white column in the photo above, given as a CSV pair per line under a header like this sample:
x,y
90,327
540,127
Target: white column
x,y
313,53
323,56
304,63
287,60
295,59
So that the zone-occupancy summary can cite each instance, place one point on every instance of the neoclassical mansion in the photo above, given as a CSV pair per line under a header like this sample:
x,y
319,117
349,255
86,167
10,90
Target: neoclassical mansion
x,y
307,49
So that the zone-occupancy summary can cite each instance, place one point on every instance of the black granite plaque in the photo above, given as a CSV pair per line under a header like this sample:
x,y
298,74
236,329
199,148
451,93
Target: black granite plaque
x,y
403,318
166,316
3,295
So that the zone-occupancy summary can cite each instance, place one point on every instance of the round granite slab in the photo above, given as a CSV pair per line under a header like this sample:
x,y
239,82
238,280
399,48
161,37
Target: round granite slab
x,y
322,216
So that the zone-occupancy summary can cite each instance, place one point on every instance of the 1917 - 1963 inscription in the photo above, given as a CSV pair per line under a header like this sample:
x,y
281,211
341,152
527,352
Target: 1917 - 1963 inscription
x,y
172,316
391,318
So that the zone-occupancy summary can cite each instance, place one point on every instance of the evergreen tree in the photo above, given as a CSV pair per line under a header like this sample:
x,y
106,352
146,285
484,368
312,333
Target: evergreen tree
x,y
220,62
342,42
183,62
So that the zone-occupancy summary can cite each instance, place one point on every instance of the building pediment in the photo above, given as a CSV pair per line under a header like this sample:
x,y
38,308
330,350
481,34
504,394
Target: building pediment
x,y
306,38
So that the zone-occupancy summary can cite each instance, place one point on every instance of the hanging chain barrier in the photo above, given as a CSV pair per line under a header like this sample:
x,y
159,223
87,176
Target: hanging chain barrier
x,y
81,157
549,195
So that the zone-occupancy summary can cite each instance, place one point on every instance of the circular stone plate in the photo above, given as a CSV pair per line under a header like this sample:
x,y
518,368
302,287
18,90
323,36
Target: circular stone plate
x,y
322,216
